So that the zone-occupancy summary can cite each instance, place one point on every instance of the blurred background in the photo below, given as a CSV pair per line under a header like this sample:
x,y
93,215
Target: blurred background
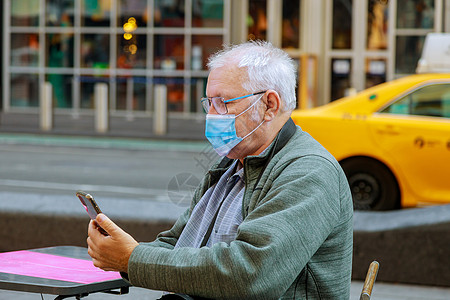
x,y
104,96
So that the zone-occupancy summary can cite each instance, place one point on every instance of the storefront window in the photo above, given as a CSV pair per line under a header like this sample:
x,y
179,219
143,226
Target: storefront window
x,y
290,35
415,14
169,52
131,93
407,53
24,12
375,71
62,89
131,53
202,48
257,20
169,13
87,85
24,90
198,90
59,50
377,25
340,78
24,50
342,24
207,13
96,12
136,9
95,51
59,13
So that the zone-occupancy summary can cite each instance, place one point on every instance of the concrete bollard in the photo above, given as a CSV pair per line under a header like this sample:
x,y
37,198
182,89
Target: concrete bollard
x,y
46,107
101,107
160,111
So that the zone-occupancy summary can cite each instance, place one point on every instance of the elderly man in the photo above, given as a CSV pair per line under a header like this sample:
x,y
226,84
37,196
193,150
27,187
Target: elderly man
x,y
271,220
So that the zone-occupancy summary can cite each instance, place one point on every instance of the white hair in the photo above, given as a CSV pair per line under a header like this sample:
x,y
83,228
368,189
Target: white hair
x,y
268,68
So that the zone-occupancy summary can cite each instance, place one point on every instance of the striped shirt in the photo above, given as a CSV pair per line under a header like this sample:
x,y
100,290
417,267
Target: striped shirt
x,y
230,189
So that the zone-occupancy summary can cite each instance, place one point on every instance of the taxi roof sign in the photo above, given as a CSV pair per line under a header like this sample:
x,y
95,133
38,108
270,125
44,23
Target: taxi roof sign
x,y
435,54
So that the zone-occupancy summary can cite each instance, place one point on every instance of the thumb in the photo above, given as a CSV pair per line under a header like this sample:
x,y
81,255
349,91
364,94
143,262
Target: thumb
x,y
104,222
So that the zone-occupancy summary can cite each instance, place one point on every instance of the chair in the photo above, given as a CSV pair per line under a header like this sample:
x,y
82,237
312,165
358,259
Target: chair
x,y
370,280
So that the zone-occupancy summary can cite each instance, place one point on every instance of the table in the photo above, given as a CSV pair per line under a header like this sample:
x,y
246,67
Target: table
x,y
66,271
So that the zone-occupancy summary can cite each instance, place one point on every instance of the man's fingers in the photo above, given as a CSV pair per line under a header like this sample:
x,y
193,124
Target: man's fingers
x,y
109,226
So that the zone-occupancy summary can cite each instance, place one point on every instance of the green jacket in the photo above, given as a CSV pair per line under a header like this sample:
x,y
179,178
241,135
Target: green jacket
x,y
295,241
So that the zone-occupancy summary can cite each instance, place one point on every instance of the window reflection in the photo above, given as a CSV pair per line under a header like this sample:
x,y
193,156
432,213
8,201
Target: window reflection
x,y
24,90
131,53
257,20
375,71
24,12
342,24
207,13
96,12
169,52
24,50
95,51
59,50
340,78
204,46
59,12
62,89
132,9
169,13
415,14
131,93
377,25
290,36
407,53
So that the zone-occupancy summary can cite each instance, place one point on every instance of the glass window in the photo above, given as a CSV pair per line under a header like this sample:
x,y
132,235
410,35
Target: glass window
x,y
24,50
432,100
290,35
202,48
175,94
87,86
136,9
59,13
415,14
377,25
375,71
407,53
207,13
131,51
62,89
131,93
24,12
198,90
342,24
169,52
95,51
257,20
340,77
59,50
96,12
24,90
169,13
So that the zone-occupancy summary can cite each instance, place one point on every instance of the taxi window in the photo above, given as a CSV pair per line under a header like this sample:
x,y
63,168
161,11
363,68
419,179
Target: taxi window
x,y
431,100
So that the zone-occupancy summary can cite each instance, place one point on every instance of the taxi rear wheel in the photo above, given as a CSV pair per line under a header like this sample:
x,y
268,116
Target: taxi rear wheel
x,y
372,184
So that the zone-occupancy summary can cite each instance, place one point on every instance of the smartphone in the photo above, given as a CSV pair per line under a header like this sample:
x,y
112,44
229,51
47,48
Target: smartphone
x,y
91,207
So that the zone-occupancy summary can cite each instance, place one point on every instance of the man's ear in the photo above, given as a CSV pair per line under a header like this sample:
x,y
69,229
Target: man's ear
x,y
273,104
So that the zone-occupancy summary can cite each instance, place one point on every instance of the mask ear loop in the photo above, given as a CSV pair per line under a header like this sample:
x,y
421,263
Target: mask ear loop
x,y
250,106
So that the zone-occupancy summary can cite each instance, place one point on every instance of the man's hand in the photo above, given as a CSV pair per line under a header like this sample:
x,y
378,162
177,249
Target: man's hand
x,y
109,252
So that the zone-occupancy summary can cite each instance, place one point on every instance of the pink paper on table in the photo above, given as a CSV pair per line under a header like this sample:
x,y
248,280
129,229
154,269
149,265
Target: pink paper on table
x,y
35,264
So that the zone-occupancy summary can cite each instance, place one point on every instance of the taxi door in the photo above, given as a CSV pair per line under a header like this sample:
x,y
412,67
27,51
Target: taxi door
x,y
414,133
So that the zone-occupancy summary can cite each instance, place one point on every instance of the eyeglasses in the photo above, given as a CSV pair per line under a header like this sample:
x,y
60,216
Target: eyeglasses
x,y
220,104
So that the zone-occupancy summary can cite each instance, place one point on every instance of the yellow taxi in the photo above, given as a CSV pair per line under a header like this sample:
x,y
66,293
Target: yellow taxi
x,y
392,140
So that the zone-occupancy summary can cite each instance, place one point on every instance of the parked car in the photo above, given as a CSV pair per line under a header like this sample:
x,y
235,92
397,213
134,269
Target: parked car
x,y
392,140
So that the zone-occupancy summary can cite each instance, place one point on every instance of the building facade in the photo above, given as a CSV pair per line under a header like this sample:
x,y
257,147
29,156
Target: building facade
x,y
341,46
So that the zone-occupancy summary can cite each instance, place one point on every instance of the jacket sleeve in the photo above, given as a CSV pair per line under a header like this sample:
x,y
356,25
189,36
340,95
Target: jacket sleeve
x,y
275,241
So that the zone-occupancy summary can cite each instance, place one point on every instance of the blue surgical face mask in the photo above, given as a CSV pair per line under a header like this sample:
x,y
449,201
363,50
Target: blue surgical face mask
x,y
221,131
